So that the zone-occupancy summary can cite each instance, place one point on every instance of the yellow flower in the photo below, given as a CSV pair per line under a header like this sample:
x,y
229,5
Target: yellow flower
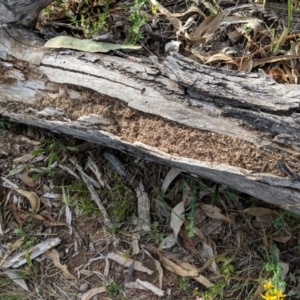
x,y
268,296
273,294
278,294
268,285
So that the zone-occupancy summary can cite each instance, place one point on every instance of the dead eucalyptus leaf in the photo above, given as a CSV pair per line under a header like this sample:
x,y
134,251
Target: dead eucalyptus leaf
x,y
209,26
283,236
172,267
92,292
255,25
203,280
68,42
177,217
246,65
185,265
259,211
277,74
27,180
167,13
172,174
15,277
207,253
33,198
187,241
221,57
168,242
195,40
149,286
215,213
54,256
284,269
158,267
126,262
267,60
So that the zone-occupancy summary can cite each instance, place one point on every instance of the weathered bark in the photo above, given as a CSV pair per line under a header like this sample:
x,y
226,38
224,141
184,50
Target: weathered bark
x,y
21,12
51,89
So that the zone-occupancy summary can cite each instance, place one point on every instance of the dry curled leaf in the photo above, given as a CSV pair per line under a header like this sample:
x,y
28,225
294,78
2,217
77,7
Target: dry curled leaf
x,y
173,267
277,74
158,267
187,241
172,174
92,292
259,211
27,180
33,198
54,256
215,213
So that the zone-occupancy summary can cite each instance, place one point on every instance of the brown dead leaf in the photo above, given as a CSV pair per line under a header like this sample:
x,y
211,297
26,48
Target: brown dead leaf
x,y
92,292
282,236
259,211
239,238
277,74
14,210
27,180
158,267
33,198
54,256
209,25
272,59
184,265
172,267
187,241
215,213
246,64
195,40
203,280
221,57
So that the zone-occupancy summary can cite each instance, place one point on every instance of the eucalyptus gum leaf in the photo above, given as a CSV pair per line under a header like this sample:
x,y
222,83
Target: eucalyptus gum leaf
x,y
85,45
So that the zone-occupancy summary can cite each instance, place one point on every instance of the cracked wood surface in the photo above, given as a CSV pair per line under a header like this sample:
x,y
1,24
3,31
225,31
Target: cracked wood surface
x,y
248,107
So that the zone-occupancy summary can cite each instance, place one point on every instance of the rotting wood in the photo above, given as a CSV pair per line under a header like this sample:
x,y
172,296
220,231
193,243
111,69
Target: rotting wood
x,y
236,126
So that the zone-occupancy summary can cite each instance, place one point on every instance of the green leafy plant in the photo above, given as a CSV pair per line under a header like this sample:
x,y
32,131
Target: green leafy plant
x,y
182,283
137,20
272,284
80,197
190,227
292,219
113,290
214,292
4,124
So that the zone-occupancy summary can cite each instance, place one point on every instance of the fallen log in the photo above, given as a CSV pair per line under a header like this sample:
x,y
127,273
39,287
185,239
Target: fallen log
x,y
238,129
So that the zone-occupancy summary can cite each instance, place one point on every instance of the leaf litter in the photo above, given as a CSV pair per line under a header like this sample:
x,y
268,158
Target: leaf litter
x,y
224,34
225,243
